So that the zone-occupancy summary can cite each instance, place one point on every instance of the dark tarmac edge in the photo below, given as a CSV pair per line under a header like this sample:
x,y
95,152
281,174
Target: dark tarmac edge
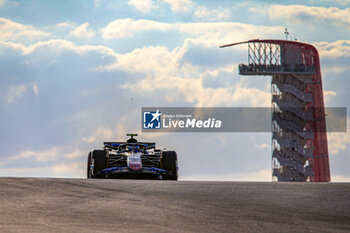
x,y
80,205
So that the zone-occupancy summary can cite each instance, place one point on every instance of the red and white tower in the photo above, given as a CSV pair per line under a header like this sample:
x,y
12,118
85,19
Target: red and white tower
x,y
299,138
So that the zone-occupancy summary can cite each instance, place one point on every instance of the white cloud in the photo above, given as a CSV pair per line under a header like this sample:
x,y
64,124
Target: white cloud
x,y
82,31
77,169
218,33
338,142
97,3
143,6
342,2
147,59
35,89
63,170
335,54
58,46
262,146
164,69
179,5
101,134
335,69
15,92
340,48
214,33
4,3
121,28
238,94
12,45
53,154
328,95
301,14
41,156
217,14
65,24
14,31
75,154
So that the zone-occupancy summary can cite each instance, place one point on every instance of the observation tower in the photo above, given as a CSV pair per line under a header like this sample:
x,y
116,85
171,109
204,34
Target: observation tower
x,y
299,138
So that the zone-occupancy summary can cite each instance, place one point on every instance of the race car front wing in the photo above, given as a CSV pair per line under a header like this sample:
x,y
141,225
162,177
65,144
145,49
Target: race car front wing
x,y
144,170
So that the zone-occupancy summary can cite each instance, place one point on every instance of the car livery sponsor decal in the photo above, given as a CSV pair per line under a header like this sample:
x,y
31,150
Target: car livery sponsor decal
x,y
134,161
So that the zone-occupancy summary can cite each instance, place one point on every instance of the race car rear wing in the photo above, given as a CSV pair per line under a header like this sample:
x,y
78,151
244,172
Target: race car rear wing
x,y
148,145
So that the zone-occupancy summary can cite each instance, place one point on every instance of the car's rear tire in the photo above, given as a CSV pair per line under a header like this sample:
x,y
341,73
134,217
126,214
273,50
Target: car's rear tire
x,y
169,163
100,162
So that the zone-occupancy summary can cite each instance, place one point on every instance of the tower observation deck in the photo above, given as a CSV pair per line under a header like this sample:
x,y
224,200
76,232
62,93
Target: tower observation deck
x,y
299,138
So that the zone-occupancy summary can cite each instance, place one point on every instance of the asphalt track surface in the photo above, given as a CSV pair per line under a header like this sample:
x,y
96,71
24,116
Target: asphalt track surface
x,y
78,205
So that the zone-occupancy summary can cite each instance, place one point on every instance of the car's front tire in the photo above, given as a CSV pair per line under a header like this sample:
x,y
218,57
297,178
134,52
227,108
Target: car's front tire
x,y
169,163
98,159
88,174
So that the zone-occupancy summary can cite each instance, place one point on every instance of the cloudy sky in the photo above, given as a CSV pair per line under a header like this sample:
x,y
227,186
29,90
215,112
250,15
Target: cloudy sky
x,y
76,73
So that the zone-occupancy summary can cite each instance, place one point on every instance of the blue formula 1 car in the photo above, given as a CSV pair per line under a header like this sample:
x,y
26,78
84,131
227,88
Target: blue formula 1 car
x,y
132,159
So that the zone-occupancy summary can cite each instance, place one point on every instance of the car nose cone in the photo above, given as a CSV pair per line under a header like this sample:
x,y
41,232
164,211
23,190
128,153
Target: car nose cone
x,y
134,162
